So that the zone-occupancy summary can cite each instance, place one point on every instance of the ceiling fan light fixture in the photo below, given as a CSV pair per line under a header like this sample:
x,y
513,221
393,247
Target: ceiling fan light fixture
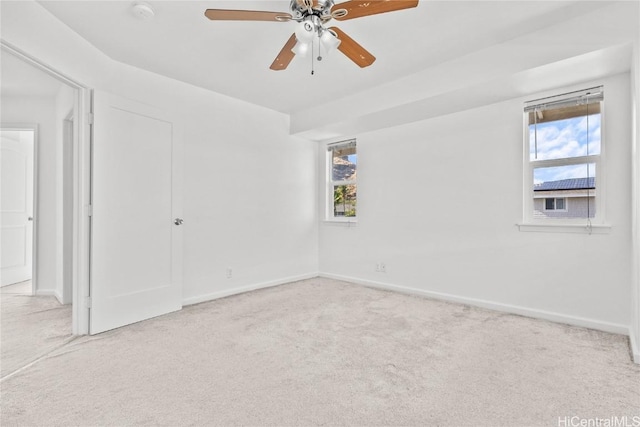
x,y
301,49
329,41
305,31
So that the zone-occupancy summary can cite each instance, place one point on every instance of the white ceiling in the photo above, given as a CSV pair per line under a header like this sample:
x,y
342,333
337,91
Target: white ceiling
x,y
22,79
233,58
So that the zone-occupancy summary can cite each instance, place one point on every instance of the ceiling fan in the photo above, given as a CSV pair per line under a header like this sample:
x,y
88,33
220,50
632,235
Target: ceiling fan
x,y
312,17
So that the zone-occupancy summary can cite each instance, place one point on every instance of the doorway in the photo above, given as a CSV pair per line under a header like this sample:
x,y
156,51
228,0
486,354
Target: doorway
x,y
17,148
60,108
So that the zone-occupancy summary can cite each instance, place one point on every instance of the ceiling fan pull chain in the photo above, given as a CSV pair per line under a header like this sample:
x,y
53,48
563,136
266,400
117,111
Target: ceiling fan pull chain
x,y
312,58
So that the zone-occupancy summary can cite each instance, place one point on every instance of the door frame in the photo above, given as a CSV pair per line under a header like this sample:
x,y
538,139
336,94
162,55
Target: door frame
x,y
31,127
68,132
81,190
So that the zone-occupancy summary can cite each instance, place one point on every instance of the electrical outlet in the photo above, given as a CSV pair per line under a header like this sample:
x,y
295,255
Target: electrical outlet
x,y
229,272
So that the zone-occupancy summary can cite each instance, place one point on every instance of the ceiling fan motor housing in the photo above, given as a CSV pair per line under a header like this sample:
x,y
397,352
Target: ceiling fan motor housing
x,y
301,9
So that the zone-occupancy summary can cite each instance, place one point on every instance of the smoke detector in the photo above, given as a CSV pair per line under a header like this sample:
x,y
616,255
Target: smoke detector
x,y
143,10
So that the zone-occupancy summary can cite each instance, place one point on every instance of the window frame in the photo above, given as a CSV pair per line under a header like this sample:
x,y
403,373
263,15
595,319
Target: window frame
x,y
330,183
597,159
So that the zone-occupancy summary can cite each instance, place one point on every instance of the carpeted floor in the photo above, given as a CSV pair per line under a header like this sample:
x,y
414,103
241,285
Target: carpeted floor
x,y
22,288
322,352
30,326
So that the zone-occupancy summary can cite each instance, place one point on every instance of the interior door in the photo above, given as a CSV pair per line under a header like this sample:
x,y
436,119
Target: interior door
x,y
16,205
136,251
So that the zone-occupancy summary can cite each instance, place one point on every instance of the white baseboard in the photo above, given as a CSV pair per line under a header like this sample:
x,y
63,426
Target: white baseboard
x,y
49,293
635,350
507,308
246,288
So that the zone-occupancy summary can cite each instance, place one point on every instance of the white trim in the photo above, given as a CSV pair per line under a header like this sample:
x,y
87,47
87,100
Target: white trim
x,y
565,228
64,279
507,308
564,161
635,350
339,221
246,288
81,221
39,64
634,330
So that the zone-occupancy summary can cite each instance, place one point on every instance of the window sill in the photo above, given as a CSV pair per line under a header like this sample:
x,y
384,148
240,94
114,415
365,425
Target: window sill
x,y
565,228
341,222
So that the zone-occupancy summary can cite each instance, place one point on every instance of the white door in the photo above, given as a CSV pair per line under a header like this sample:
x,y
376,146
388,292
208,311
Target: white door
x,y
136,247
16,205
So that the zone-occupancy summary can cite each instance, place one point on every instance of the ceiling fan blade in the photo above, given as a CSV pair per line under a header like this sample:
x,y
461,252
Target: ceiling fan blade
x,y
353,50
285,56
246,15
360,8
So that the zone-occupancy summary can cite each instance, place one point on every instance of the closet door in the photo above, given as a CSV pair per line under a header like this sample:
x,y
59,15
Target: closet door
x,y
136,225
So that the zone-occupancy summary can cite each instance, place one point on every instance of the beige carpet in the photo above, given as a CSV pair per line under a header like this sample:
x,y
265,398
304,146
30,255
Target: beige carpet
x,y
30,326
22,288
321,352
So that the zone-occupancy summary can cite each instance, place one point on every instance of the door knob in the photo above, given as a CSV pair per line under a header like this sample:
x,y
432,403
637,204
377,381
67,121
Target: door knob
x,y
30,218
178,221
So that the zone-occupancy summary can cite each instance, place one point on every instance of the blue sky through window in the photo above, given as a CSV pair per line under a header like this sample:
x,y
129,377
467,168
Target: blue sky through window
x,y
561,139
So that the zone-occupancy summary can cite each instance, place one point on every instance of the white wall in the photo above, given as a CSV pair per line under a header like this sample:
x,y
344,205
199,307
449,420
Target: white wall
x,y
249,187
40,110
438,201
250,201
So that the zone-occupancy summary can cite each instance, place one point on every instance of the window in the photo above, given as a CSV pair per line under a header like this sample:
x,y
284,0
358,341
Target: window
x,y
342,188
563,169
554,204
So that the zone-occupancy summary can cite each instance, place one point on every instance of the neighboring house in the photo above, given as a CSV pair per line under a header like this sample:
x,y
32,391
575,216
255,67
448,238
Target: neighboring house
x,y
566,198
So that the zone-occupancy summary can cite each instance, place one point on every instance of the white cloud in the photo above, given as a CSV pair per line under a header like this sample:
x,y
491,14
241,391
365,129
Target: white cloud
x,y
565,138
